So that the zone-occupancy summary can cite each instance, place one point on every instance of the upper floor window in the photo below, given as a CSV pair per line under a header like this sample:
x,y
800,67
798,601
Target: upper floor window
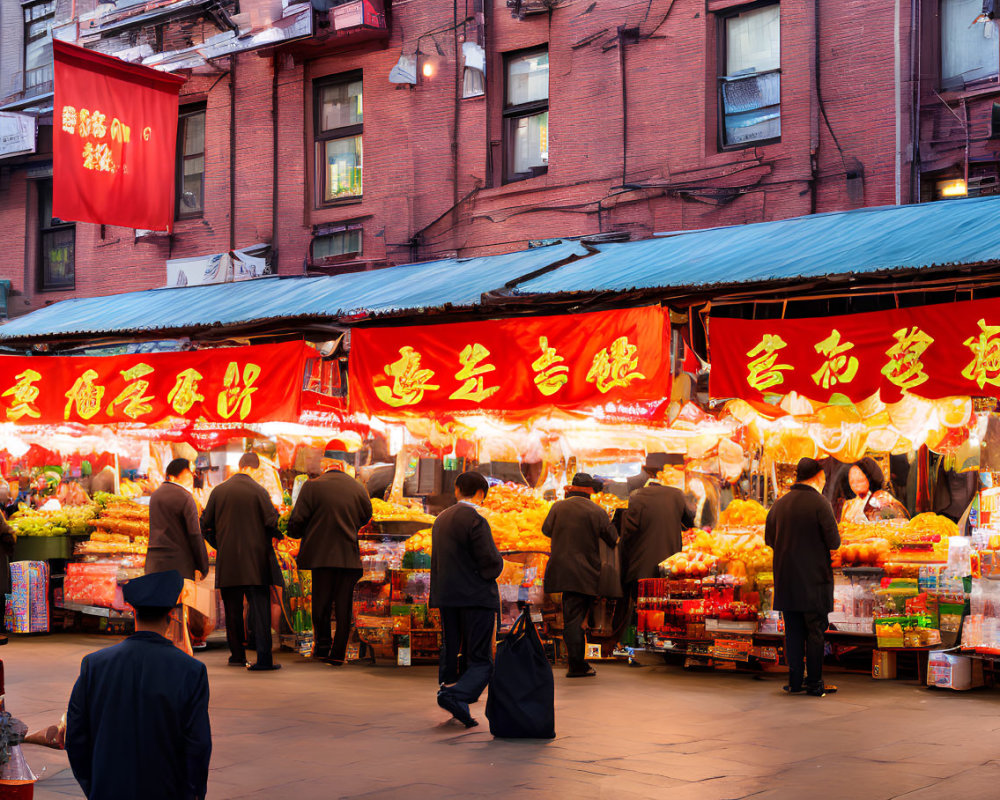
x,y
339,113
191,162
750,84
38,18
56,245
526,115
969,50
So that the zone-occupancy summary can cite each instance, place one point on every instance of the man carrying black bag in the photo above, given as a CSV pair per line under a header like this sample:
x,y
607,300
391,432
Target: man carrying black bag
x,y
465,565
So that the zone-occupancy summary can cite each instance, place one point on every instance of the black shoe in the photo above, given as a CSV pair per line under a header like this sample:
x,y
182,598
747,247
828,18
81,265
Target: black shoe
x,y
334,662
199,647
263,667
589,672
457,709
821,691
234,662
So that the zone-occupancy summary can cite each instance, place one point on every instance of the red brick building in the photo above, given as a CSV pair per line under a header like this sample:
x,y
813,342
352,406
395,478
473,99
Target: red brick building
x,y
367,134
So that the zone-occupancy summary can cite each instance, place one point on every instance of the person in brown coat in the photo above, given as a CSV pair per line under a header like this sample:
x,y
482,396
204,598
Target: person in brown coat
x,y
330,511
576,527
654,520
802,530
175,540
240,521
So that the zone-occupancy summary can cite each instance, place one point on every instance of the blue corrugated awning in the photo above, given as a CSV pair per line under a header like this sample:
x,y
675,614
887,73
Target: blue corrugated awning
x,y
885,238
431,284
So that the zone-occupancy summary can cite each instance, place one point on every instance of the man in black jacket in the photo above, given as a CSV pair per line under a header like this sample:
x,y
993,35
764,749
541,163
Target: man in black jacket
x,y
175,539
802,530
137,724
240,521
576,526
465,565
330,511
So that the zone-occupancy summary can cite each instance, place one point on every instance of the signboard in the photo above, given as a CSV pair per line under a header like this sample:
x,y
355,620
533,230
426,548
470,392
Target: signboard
x,y
930,351
231,385
17,134
512,365
114,140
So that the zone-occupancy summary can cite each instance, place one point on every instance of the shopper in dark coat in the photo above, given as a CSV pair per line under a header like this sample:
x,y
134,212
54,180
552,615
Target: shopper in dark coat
x,y
330,511
653,524
137,724
240,521
465,565
802,530
576,526
175,540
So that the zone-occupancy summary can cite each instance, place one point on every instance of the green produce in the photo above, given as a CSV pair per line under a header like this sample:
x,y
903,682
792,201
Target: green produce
x,y
74,520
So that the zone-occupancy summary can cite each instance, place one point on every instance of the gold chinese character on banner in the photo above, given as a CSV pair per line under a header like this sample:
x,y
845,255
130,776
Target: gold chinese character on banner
x,y
120,132
83,123
68,119
985,365
97,125
550,374
838,367
615,366
904,368
85,395
763,371
237,397
409,380
184,395
24,394
472,371
134,395
90,159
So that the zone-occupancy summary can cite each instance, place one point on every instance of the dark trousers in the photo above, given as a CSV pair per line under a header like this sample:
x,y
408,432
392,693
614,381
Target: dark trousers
x,y
467,651
333,594
258,616
576,608
804,645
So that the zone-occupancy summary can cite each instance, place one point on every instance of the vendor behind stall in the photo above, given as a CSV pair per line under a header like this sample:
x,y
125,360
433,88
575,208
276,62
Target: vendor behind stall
x,y
867,500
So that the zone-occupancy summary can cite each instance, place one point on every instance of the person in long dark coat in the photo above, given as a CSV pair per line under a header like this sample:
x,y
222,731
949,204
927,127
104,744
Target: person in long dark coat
x,y
576,526
802,530
6,554
330,511
137,724
465,565
240,521
175,540
653,524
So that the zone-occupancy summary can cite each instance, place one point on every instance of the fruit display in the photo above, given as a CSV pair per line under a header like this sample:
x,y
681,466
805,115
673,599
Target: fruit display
x,y
420,542
689,564
929,528
130,519
869,553
746,547
72,494
383,511
742,514
73,520
610,502
516,515
102,543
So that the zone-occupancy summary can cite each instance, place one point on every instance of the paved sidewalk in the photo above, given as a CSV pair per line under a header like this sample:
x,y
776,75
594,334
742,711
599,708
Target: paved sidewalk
x,y
310,731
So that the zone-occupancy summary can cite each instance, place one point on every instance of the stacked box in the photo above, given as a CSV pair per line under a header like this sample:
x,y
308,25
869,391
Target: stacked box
x,y
28,606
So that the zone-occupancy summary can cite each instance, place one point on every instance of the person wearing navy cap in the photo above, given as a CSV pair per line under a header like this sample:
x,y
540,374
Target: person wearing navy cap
x,y
137,724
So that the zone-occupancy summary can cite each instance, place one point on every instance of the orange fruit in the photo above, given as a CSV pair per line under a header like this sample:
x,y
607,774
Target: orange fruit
x,y
954,412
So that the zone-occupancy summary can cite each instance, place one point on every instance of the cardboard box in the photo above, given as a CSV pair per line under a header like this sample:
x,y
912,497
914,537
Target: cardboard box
x,y
949,671
883,665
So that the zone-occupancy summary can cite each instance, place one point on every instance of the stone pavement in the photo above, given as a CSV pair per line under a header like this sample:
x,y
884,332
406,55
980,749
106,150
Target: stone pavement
x,y
310,731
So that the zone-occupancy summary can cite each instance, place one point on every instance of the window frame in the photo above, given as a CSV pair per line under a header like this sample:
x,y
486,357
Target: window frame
x,y
29,39
321,137
47,226
187,111
722,57
512,113
961,85
342,229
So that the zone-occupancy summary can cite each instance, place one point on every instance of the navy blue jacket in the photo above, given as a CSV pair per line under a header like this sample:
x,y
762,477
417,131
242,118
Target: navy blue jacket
x,y
137,725
465,562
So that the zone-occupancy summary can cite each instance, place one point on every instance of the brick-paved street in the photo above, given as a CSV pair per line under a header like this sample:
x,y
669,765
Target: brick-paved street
x,y
310,731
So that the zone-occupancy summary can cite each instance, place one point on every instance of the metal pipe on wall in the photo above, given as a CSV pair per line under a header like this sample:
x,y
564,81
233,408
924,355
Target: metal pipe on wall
x,y
232,152
274,162
899,102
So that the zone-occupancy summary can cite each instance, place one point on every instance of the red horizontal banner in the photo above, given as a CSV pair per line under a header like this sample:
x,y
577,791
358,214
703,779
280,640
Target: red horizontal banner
x,y
231,384
930,351
512,365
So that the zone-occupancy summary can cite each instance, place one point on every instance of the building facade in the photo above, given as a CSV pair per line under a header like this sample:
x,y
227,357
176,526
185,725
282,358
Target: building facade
x,y
319,138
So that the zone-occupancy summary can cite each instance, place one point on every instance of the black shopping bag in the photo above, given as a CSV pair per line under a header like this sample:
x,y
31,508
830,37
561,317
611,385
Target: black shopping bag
x,y
521,704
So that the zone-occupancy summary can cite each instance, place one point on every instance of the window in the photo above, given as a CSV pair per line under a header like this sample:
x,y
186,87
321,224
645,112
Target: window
x,y
191,163
38,18
750,84
526,115
969,50
337,245
339,122
56,245
474,74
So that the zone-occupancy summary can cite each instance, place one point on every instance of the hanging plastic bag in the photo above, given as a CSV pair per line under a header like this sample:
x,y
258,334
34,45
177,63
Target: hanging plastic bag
x,y
521,703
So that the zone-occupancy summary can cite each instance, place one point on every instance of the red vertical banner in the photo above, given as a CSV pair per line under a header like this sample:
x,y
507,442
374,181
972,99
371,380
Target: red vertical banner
x,y
114,140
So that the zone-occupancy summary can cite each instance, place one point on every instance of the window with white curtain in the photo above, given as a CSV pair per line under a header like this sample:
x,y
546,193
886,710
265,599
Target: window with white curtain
x,y
969,44
526,115
750,83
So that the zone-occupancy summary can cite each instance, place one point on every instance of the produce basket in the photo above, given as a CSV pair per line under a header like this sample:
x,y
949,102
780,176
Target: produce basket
x,y
42,548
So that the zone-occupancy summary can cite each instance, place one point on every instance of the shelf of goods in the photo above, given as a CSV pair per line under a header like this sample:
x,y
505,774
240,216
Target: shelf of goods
x,y
47,535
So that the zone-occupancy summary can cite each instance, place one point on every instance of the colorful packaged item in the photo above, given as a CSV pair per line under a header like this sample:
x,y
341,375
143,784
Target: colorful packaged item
x,y
28,608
